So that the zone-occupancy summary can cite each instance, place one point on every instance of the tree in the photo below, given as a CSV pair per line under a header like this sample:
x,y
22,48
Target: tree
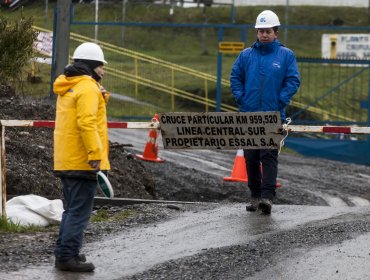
x,y
16,47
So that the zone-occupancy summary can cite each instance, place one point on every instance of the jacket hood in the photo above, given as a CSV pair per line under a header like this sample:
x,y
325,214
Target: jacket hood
x,y
63,84
77,69
73,74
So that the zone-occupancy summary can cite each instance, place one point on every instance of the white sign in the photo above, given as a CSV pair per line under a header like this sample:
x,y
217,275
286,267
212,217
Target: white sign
x,y
259,130
44,43
43,60
346,46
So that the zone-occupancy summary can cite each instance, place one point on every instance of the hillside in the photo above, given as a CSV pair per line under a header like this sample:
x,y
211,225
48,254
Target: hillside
x,y
159,40
192,47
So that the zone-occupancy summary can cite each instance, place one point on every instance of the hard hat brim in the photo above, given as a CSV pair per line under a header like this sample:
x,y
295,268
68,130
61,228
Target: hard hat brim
x,y
264,26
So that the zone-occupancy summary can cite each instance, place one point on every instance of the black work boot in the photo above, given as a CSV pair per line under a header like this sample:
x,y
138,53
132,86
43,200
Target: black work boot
x,y
75,265
81,257
265,205
253,204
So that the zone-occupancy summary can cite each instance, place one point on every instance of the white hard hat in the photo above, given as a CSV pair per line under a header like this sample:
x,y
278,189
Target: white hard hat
x,y
89,51
267,19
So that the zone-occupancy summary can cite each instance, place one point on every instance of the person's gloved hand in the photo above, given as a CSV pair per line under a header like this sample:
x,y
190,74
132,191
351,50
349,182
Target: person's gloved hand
x,y
94,164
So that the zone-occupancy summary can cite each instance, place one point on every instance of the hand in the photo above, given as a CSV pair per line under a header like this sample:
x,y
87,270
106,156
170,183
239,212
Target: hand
x,y
102,89
105,93
94,164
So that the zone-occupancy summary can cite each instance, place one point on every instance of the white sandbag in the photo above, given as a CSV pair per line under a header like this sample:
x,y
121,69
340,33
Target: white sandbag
x,y
35,210
20,214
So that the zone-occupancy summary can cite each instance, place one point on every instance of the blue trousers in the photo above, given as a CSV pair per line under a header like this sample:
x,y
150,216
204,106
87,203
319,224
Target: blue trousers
x,y
262,184
78,204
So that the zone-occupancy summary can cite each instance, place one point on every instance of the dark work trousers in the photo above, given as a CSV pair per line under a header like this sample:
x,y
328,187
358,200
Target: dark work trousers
x,y
262,184
78,204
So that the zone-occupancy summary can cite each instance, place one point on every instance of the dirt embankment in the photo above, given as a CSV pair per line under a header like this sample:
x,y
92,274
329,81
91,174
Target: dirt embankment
x,y
29,154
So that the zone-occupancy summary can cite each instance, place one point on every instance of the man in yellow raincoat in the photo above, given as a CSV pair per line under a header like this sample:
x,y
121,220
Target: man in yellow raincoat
x,y
80,149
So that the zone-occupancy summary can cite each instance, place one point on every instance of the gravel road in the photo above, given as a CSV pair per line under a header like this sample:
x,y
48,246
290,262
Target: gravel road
x,y
307,182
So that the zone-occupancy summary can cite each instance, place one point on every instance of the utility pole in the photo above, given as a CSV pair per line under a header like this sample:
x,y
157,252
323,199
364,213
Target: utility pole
x,y
46,13
286,22
96,19
233,12
62,36
204,32
123,19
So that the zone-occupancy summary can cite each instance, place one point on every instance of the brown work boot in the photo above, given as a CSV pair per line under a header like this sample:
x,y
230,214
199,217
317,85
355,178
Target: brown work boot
x,y
265,206
252,206
75,265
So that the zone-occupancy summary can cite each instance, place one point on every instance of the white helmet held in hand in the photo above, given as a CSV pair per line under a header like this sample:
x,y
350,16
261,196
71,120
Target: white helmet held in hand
x,y
267,19
89,51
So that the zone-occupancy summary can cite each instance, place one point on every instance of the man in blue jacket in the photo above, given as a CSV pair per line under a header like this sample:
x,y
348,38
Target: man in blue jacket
x,y
264,77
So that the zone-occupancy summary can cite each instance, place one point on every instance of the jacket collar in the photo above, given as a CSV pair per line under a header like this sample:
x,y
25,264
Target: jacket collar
x,y
266,47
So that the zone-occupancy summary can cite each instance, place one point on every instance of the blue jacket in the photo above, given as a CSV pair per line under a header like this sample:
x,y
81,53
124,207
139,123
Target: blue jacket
x,y
264,77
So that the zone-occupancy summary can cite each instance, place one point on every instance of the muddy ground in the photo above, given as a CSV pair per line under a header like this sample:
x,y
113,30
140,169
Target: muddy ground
x,y
29,155
29,171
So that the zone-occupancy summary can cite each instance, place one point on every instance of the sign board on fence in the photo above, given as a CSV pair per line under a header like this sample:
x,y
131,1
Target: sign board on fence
x,y
346,46
44,43
230,47
228,131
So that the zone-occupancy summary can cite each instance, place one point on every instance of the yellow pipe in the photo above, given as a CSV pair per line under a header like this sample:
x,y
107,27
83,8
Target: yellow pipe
x,y
167,89
173,87
136,76
206,92
143,57
333,46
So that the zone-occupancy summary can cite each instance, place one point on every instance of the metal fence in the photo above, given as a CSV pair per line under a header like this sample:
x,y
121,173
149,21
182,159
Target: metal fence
x,y
333,91
163,67
174,79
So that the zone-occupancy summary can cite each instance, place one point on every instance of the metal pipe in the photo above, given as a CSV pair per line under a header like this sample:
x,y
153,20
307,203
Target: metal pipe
x,y
96,19
3,177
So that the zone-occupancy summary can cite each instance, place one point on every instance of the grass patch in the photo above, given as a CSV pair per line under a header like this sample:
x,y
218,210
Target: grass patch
x,y
8,226
197,49
188,45
123,215
103,215
286,150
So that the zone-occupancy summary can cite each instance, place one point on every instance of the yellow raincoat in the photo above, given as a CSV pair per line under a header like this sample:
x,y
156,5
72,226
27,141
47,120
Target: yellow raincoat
x,y
81,132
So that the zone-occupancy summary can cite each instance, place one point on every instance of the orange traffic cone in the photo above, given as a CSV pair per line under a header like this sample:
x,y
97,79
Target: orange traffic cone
x,y
239,173
151,148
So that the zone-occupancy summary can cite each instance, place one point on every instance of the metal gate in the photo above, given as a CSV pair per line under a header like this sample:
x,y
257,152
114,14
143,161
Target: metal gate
x,y
333,92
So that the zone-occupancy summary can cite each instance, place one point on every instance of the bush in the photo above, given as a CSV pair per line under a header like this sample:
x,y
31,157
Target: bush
x,y
16,48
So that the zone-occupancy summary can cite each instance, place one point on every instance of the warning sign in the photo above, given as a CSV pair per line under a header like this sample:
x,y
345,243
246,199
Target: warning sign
x,y
259,130
230,47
